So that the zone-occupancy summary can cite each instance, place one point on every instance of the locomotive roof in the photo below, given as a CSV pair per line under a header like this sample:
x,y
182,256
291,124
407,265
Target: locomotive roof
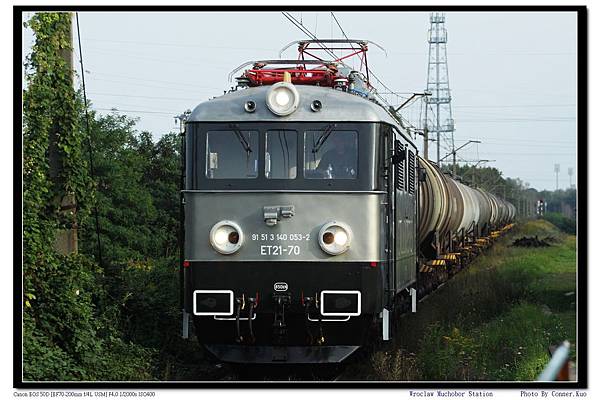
x,y
337,106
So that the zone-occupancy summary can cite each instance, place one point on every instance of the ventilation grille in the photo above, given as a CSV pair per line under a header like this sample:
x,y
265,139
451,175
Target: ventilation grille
x,y
411,172
400,169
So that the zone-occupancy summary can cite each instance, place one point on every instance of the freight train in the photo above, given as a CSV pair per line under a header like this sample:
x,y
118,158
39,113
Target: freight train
x,y
309,217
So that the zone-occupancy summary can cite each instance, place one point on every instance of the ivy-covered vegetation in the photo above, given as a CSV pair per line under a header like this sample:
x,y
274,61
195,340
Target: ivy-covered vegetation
x,y
82,319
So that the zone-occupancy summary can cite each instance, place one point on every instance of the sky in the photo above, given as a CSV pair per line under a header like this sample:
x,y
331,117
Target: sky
x,y
512,75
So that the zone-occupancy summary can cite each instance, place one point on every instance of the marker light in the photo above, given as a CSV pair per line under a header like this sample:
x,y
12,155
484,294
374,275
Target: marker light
x,y
226,237
335,238
282,98
340,238
221,236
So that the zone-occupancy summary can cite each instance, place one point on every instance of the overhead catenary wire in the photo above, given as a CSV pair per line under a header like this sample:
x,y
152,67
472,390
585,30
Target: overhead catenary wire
x,y
391,52
341,29
296,23
185,84
518,120
314,37
509,140
136,111
89,140
187,64
514,105
202,46
368,69
307,32
145,97
145,85
134,106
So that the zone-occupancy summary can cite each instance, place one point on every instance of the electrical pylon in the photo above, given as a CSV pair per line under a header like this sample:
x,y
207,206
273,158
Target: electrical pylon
x,y
438,110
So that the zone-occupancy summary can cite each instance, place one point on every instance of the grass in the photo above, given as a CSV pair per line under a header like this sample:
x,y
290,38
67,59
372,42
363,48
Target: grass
x,y
493,321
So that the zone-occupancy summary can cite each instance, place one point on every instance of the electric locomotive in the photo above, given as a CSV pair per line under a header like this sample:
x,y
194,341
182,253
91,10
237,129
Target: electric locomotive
x,y
301,214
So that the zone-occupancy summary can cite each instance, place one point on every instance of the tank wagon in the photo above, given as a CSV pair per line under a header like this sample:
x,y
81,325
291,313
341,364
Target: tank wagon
x,y
451,213
309,217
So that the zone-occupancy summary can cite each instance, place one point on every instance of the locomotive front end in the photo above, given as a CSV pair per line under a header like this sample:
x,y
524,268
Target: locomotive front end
x,y
285,223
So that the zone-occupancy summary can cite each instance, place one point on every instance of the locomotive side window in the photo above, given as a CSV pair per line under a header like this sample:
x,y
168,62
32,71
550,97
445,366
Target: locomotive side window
x,y
232,154
281,154
330,154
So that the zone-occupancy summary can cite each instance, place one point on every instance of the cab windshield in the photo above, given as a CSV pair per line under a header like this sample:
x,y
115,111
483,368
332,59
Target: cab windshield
x,y
331,154
293,155
232,154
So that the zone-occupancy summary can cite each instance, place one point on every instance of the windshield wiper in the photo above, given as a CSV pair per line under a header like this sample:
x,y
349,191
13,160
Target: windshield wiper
x,y
241,138
323,138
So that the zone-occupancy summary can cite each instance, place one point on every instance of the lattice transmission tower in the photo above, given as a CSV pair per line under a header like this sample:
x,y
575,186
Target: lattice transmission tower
x,y
438,111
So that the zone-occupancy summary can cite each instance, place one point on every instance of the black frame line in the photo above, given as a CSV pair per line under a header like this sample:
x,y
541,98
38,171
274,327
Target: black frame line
x,y
582,204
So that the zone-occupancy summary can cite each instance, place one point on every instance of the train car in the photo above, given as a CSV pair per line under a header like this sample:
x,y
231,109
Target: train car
x,y
452,213
303,224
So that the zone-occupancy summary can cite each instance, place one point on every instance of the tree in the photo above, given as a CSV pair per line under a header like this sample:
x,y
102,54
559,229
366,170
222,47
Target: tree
x,y
68,332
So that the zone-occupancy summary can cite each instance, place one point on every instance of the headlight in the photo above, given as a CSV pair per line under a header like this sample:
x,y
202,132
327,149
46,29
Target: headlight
x,y
283,98
226,237
335,238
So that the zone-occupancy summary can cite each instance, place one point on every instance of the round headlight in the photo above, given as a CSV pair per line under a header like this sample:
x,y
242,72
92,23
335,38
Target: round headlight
x,y
282,98
335,238
226,237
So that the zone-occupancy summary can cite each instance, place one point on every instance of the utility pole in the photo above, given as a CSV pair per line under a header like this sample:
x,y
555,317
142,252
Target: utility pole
x,y
453,153
570,172
556,171
425,133
182,118
425,143
66,239
475,168
438,83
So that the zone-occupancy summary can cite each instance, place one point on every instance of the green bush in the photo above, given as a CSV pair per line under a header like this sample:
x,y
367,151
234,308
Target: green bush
x,y
565,224
67,335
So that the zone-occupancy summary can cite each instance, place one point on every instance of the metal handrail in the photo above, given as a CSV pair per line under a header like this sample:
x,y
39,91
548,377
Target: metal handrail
x,y
348,41
279,62
558,365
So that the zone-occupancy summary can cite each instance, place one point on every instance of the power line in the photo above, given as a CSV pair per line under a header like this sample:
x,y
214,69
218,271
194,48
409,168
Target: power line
x,y
340,26
515,105
510,140
143,97
180,45
145,85
312,36
518,120
174,83
341,29
524,113
486,153
200,63
416,53
294,21
126,105
134,111
527,145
